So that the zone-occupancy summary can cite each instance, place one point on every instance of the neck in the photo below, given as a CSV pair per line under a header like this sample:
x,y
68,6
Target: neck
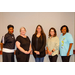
x,y
38,33
64,33
22,35
51,36
9,33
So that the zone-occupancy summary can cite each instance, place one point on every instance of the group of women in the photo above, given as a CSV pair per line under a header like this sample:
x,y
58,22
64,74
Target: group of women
x,y
54,45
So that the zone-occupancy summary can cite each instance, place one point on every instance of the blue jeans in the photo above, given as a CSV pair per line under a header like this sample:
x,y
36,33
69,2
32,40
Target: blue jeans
x,y
39,59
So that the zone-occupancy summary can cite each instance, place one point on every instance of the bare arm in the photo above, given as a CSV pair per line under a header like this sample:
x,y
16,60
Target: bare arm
x,y
70,46
30,48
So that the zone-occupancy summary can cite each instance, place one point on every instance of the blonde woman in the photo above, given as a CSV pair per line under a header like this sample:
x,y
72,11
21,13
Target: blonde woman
x,y
23,46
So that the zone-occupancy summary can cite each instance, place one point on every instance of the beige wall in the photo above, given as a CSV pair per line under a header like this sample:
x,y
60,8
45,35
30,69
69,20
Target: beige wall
x,y
74,30
31,19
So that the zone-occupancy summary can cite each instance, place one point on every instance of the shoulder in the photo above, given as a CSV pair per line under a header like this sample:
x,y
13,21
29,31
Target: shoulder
x,y
6,34
56,37
18,37
68,34
44,36
28,37
33,35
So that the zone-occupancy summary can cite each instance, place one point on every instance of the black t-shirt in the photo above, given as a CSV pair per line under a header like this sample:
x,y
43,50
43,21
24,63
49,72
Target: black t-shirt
x,y
24,42
9,41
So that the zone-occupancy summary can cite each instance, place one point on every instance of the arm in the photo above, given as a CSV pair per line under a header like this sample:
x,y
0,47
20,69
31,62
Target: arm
x,y
48,51
20,48
56,47
30,48
70,41
44,44
33,43
70,46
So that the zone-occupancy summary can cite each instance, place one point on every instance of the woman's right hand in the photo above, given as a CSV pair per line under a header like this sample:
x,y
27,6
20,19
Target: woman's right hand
x,y
50,53
27,52
37,52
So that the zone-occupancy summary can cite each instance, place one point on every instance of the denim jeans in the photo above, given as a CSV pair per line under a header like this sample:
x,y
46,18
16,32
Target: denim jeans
x,y
39,59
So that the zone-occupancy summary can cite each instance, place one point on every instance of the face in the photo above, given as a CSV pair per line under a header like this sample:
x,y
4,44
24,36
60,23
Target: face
x,y
11,30
38,29
52,32
64,30
22,31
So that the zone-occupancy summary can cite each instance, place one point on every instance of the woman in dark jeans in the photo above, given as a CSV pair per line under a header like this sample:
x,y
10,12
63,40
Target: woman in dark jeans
x,y
38,44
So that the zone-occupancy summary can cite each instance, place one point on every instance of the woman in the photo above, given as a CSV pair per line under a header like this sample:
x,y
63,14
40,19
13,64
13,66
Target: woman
x,y
23,46
52,45
9,45
38,44
66,44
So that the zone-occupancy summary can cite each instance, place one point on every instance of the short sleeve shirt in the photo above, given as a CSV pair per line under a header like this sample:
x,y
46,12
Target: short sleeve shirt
x,y
24,42
64,44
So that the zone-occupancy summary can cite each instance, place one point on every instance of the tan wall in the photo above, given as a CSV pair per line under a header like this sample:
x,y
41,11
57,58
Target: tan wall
x,y
31,19
74,30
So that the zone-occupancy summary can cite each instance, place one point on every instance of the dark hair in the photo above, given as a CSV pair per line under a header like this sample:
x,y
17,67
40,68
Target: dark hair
x,y
54,32
42,32
10,26
67,30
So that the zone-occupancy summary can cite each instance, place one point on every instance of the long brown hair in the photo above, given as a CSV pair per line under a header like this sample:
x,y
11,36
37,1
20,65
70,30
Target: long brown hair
x,y
42,32
54,32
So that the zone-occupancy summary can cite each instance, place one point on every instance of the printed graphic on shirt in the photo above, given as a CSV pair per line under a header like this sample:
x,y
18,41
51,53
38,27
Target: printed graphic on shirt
x,y
62,43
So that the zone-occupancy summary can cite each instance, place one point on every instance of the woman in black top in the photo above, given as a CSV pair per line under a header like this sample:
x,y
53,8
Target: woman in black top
x,y
38,44
23,46
8,45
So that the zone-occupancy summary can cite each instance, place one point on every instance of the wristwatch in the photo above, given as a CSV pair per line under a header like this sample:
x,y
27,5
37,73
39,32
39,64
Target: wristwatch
x,y
52,51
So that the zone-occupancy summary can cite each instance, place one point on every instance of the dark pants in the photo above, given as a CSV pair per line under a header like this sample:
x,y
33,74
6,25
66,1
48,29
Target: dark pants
x,y
53,58
8,57
39,59
65,58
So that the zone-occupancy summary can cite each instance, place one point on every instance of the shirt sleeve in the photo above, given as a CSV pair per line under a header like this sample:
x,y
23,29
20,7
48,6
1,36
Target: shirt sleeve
x,y
70,38
5,39
33,43
47,43
44,44
18,39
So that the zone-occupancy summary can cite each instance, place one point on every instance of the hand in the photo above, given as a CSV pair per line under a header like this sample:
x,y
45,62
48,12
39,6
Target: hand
x,y
68,53
27,52
50,53
37,52
53,50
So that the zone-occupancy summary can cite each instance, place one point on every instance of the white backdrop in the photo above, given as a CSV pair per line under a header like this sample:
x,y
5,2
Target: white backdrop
x,y
30,20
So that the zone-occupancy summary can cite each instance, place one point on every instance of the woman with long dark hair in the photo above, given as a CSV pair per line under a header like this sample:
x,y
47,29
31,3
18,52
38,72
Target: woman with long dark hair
x,y
38,44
